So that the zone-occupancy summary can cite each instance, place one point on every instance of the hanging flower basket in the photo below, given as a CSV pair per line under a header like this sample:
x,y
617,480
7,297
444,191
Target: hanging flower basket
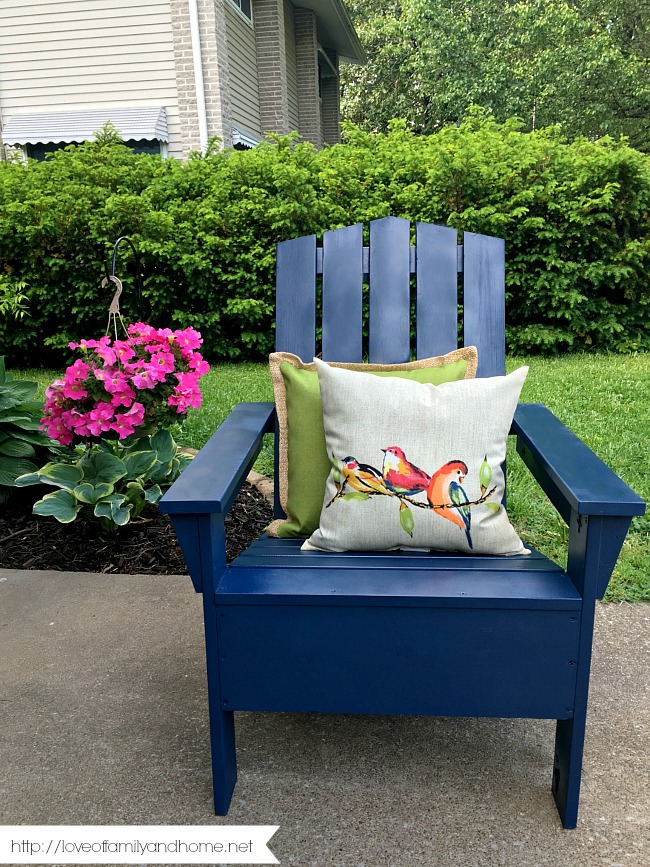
x,y
114,406
118,388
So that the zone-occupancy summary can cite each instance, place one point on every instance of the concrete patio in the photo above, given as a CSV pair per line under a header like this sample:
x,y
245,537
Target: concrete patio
x,y
103,720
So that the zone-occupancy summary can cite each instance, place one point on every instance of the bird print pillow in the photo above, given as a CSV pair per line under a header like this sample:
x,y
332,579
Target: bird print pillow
x,y
415,465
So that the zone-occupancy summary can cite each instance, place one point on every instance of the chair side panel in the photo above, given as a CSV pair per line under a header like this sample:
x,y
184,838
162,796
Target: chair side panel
x,y
484,301
342,294
437,289
389,322
295,299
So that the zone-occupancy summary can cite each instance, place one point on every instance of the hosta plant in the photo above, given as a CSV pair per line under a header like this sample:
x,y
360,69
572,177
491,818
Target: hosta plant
x,y
110,480
23,447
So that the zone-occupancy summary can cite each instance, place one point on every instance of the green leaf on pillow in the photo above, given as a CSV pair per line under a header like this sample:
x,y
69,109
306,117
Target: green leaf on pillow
x,y
355,497
493,507
485,475
336,472
406,518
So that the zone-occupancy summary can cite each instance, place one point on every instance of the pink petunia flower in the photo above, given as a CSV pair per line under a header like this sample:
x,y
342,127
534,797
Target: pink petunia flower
x,y
144,379
163,362
56,430
198,364
106,354
188,338
123,350
74,390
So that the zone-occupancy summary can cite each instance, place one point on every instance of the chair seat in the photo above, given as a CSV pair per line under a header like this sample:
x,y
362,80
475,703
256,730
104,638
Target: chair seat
x,y
276,571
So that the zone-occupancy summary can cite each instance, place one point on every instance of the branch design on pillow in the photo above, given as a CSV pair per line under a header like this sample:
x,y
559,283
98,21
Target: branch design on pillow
x,y
401,479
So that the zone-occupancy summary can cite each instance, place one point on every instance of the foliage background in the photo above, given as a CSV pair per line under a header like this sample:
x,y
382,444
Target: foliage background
x,y
574,216
583,64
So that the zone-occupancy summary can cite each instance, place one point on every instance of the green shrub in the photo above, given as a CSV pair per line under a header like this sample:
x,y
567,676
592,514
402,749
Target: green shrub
x,y
574,217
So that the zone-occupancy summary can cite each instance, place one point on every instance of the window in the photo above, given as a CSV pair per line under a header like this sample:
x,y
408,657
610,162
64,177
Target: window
x,y
142,146
244,7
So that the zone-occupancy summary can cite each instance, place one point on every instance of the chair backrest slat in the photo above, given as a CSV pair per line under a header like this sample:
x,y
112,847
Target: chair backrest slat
x,y
343,294
437,290
295,324
389,299
484,301
387,265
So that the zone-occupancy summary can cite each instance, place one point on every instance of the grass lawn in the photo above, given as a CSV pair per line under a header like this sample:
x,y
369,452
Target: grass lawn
x,y
604,399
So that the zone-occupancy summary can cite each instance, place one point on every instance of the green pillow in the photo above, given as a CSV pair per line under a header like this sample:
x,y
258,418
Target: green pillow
x,y
304,464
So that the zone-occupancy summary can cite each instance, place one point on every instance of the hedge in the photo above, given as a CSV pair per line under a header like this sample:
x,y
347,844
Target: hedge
x,y
574,217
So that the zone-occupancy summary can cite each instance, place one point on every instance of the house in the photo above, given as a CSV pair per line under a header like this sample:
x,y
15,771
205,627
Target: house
x,y
170,74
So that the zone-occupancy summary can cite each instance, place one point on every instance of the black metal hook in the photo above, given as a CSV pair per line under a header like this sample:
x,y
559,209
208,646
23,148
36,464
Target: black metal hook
x,y
138,270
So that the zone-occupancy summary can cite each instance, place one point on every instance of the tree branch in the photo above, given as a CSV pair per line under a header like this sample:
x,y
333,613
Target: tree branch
x,y
404,499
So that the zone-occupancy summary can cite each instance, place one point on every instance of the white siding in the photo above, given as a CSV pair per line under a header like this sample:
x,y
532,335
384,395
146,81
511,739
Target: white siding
x,y
62,55
292,70
242,71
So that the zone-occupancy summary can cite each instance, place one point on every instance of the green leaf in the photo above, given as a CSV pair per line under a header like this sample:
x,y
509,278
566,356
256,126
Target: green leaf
x,y
91,494
12,469
485,475
355,497
102,467
33,436
115,508
164,446
16,392
60,505
138,463
336,470
3,372
493,507
152,495
184,460
15,448
65,476
14,416
406,518
160,472
33,406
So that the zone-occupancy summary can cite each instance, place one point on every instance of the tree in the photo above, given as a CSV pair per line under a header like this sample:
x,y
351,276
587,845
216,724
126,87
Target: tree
x,y
582,64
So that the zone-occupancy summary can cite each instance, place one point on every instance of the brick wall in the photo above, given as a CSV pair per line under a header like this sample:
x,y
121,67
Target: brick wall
x,y
270,43
212,28
311,128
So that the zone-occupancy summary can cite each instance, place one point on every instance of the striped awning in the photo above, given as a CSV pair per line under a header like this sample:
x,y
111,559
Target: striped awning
x,y
244,137
139,122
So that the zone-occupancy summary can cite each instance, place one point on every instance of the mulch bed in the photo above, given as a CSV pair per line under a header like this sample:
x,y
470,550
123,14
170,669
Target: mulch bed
x,y
145,546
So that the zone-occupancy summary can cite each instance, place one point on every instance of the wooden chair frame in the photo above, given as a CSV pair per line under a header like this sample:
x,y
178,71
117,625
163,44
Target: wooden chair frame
x,y
400,632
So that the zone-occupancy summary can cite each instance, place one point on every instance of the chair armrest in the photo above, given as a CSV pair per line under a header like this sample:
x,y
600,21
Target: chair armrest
x,y
206,489
571,475
212,480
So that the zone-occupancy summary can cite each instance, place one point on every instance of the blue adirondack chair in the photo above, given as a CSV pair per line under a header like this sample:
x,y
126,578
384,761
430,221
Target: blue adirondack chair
x,y
350,619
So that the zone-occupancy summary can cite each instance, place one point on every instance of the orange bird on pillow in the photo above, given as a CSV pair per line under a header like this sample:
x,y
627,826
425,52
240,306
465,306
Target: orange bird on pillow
x,y
447,497
400,475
